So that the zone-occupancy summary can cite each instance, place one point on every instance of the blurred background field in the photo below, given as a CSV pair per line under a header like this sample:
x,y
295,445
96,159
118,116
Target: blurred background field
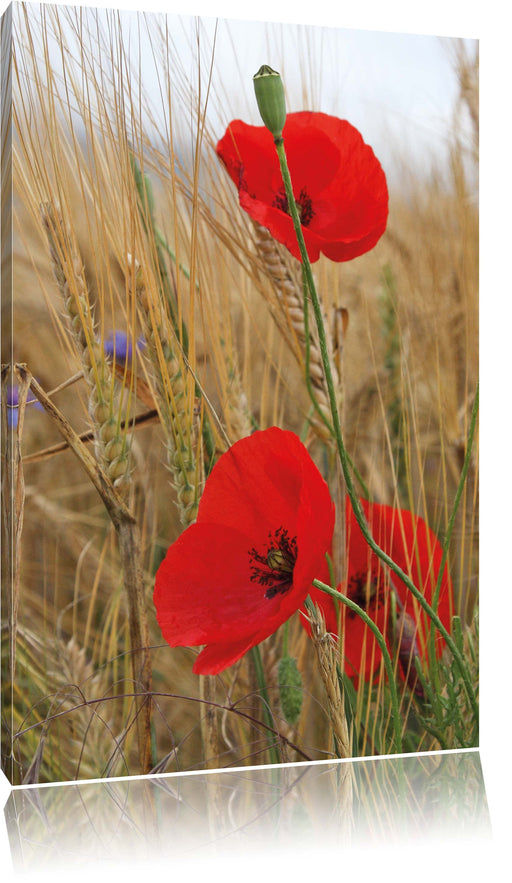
x,y
410,356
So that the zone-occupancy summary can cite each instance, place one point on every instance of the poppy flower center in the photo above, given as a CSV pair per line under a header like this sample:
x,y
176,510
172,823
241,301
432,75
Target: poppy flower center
x,y
363,590
273,567
304,205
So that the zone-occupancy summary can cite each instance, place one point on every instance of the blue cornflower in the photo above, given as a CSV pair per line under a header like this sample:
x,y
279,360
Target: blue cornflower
x,y
13,393
119,346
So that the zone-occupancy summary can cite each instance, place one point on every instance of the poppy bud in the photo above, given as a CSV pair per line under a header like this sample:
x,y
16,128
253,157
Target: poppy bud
x,y
269,90
290,689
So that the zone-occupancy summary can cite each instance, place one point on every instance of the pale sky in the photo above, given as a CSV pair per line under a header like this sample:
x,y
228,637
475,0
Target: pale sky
x,y
398,89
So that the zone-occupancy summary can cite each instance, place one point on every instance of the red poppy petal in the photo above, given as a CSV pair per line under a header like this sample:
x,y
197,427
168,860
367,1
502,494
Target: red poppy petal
x,y
192,593
250,157
204,592
215,586
417,551
362,653
313,154
280,225
412,545
256,485
315,527
347,251
216,657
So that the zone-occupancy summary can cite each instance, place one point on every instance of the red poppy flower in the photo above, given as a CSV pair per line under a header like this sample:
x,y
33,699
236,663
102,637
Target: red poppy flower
x,y
339,185
264,524
415,548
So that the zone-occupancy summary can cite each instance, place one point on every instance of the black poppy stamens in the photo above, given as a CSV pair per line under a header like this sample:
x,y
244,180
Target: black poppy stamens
x,y
304,205
274,567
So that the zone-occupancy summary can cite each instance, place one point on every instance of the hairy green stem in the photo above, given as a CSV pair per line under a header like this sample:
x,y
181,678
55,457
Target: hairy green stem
x,y
309,385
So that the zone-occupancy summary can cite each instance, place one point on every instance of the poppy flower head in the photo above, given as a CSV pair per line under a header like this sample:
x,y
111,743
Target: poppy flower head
x,y
415,548
274,568
265,522
339,186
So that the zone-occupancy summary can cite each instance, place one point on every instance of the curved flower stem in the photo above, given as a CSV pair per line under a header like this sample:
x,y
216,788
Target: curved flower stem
x,y
356,506
395,708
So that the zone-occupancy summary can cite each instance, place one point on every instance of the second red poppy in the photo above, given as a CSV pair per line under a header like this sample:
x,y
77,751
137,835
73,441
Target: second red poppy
x,y
415,548
339,185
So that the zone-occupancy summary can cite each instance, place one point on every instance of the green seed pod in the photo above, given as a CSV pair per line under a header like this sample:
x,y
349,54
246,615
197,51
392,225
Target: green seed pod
x,y
290,689
269,90
278,560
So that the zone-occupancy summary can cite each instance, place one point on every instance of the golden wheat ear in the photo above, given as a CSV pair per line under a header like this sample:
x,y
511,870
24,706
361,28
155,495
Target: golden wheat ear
x,y
174,398
291,320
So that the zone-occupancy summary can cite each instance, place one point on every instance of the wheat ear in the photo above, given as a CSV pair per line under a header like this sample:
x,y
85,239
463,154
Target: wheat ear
x,y
112,443
184,454
236,408
325,647
112,451
327,657
287,282
180,421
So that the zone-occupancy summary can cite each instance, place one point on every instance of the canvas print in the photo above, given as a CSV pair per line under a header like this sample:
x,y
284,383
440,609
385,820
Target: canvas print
x,y
239,394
